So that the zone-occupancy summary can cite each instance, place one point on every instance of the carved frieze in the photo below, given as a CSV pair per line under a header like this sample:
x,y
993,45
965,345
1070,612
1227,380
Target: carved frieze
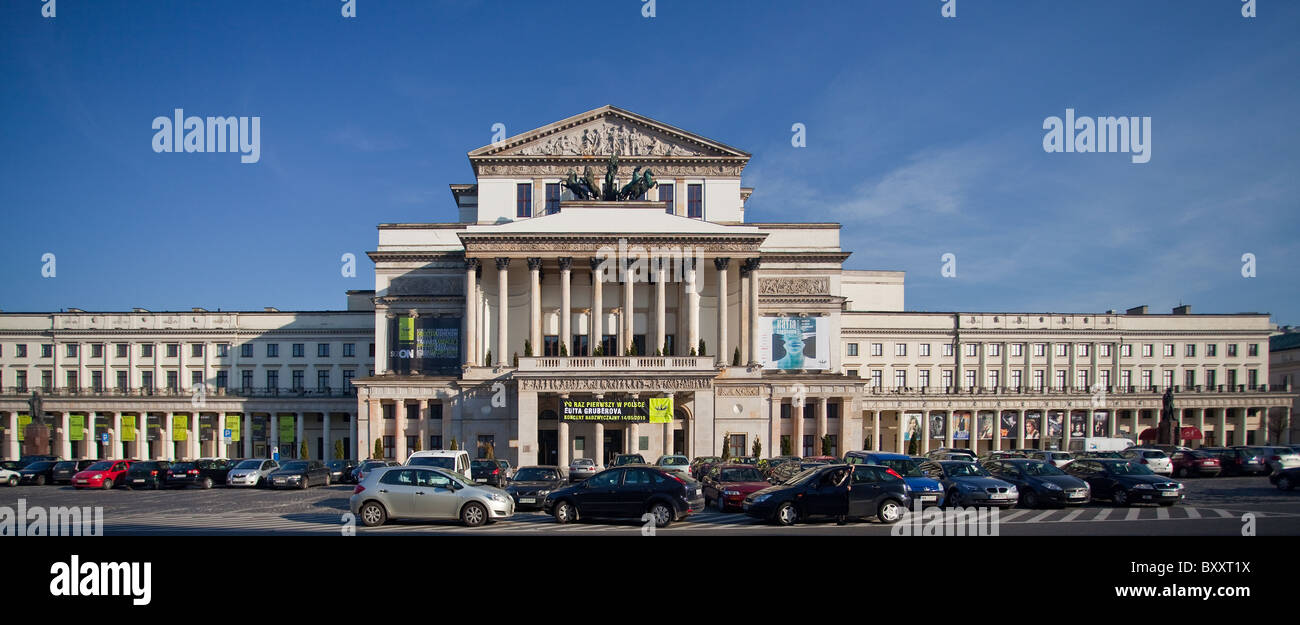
x,y
427,285
794,286
614,384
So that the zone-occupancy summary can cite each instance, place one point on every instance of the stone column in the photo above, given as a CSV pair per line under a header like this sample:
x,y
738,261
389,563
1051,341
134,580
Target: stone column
x,y
796,420
774,426
89,441
1286,426
599,447
875,431
997,417
1199,420
597,316
503,310
374,429
195,444
566,308
246,435
1243,427
298,436
1112,419
526,454
399,431
423,426
847,415
724,356
1021,415
450,417
744,313
625,341
1067,424
902,431
117,450
753,309
326,445
142,436
168,445
692,307
1262,437
1137,424
661,308
471,311
924,445
821,422
948,416
535,304
564,444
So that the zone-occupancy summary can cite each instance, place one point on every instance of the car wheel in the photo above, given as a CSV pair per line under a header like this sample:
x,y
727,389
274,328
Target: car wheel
x,y
327,480
473,514
1181,472
373,514
953,500
1283,483
1120,497
1029,499
565,512
663,515
107,485
889,512
787,514
40,480
207,483
305,483
13,480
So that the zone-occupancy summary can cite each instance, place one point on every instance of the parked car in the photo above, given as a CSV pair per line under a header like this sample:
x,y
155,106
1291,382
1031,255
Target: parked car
x,y
422,492
1056,458
749,460
10,465
670,462
299,474
485,471
341,470
252,472
1286,479
1238,460
928,491
627,493
1277,458
1125,482
787,470
1000,455
39,472
9,477
942,453
877,491
698,463
366,467
622,459
103,474
581,469
1195,462
824,459
1097,455
65,469
1040,483
456,460
506,469
145,474
24,461
1155,459
968,484
204,473
729,484
770,464
530,485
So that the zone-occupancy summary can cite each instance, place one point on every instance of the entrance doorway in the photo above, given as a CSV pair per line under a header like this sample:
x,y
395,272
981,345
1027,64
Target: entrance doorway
x,y
548,447
679,442
613,445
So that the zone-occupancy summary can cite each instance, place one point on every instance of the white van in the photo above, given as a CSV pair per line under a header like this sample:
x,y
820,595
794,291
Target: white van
x,y
1100,444
456,460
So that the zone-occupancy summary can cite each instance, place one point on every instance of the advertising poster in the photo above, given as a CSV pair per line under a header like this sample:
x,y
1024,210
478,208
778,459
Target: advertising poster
x,y
1100,423
180,427
1009,419
1033,424
937,426
76,427
961,425
287,429
232,424
790,343
128,428
624,410
912,426
1055,423
1078,424
24,420
661,410
987,421
425,344
205,427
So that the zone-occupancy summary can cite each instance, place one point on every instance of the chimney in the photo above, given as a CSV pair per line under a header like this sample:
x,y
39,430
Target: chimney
x,y
1137,310
1185,309
270,309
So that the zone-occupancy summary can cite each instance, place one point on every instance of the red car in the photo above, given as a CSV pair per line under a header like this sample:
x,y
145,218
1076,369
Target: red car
x,y
1187,463
729,484
103,474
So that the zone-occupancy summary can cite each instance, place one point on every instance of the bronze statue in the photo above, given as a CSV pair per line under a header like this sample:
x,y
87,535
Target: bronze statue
x,y
611,172
34,408
638,186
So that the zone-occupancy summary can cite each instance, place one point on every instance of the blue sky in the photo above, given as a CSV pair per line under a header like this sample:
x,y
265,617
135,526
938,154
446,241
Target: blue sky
x,y
924,137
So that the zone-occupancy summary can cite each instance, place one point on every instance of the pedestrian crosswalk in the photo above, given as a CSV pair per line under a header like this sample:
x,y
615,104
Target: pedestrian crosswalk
x,y
335,522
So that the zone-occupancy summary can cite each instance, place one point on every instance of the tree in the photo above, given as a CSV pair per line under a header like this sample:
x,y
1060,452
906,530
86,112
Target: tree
x,y
454,445
666,350
487,360
564,352
826,445
528,349
757,449
726,446
735,358
302,450
514,362
911,447
379,450
338,450
702,352
785,445
491,451
692,351
598,351
417,444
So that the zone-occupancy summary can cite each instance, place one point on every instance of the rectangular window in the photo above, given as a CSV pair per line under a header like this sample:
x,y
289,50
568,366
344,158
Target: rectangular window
x,y
900,378
322,350
1169,350
1126,350
122,382
47,351
1148,350
47,380
737,446
1253,349
1191,350
1039,379
1189,378
1017,350
947,378
609,345
853,349
348,374
223,350
1211,350
666,196
246,380
1146,378
1232,350
1103,378
323,380
173,380
196,350
97,380
877,378
1060,379
173,350
877,349
349,350
1016,381
1081,379
1252,378
695,201
372,350
551,345
852,373
390,448
1126,378
995,349
1211,378
1062,350
299,350
1083,350
900,349
272,350
810,447
785,411
1040,349
947,349
972,349
72,350
995,378
97,350
971,378
923,378
579,346
223,379
924,349
412,412
196,379
524,199
1167,378
146,379
246,350
1103,350
272,380
20,379
552,198
21,350
1232,377
297,379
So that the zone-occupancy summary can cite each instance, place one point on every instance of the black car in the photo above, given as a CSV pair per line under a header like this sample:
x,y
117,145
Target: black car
x,y
40,472
359,473
65,469
1286,479
875,491
1040,483
627,493
201,473
488,472
299,474
787,470
531,485
11,465
341,470
145,474
26,460
1238,460
1125,483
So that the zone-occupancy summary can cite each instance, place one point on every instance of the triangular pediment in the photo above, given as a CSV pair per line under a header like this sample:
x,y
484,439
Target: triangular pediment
x,y
605,131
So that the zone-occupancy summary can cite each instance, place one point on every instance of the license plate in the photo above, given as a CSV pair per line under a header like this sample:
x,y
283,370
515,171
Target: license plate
x,y
1076,496
1002,495
929,498
527,500
81,481
480,479
138,481
1169,493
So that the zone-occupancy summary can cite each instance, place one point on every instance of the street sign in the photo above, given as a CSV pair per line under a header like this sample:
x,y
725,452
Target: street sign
x,y
226,433
104,437
275,456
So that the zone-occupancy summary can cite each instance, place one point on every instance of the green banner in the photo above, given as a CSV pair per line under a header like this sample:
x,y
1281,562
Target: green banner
x,y
205,429
232,424
180,427
76,427
128,428
661,410
405,329
286,429
24,420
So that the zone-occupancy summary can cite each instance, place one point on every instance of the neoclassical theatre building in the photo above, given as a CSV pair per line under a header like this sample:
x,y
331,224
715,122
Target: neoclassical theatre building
x,y
600,291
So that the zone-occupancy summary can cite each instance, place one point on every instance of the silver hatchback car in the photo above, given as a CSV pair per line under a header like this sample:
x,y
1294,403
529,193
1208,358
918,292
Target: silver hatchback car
x,y
427,493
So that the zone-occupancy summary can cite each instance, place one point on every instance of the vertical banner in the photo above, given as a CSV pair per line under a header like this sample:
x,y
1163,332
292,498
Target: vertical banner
x,y
1101,423
912,426
792,343
287,430
987,424
961,425
426,344
661,410
1055,423
24,420
180,427
1078,424
205,428
128,428
937,426
1033,425
232,424
1009,419
76,427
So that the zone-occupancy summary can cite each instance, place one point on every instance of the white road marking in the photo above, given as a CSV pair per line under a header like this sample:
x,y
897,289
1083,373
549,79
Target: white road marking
x,y
1074,514
1040,517
1192,513
1105,512
1162,513
1132,514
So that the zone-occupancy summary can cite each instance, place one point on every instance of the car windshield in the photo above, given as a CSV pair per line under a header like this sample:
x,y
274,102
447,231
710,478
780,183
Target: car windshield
x,y
585,462
905,468
801,476
536,475
1125,468
40,466
294,466
483,464
673,461
370,464
1041,468
1200,455
65,465
182,466
144,466
442,462
961,469
338,464
741,475
1153,454
100,466
249,464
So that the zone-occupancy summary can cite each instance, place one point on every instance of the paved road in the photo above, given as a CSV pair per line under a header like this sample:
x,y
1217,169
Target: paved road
x,y
1213,507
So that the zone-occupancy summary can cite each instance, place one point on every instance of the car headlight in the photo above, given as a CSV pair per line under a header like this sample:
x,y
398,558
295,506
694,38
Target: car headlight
x,y
761,498
1143,486
543,493
1051,486
98,476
